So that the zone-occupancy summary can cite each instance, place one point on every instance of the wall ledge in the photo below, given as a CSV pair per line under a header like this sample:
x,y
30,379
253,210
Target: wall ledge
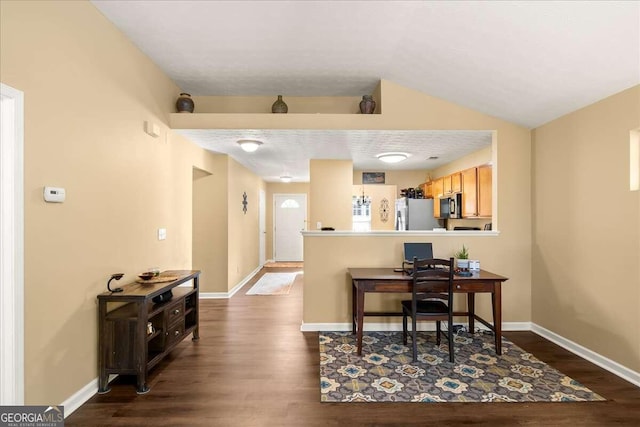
x,y
394,233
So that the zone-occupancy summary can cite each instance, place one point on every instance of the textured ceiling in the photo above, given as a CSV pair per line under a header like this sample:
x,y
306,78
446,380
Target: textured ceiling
x,y
286,152
525,62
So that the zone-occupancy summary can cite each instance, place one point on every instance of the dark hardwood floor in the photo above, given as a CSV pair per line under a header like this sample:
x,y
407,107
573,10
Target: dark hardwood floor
x,y
253,367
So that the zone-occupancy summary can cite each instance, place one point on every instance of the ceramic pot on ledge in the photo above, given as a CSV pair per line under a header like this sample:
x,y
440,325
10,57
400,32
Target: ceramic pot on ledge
x,y
185,104
367,105
279,106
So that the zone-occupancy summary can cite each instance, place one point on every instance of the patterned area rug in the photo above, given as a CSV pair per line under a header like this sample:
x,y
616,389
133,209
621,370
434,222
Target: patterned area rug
x,y
273,284
385,372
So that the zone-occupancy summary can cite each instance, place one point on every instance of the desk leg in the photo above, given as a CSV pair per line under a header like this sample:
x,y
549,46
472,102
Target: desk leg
x,y
354,306
471,308
360,316
496,301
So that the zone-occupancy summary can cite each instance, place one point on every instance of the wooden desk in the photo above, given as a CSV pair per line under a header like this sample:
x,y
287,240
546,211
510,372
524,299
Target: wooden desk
x,y
386,280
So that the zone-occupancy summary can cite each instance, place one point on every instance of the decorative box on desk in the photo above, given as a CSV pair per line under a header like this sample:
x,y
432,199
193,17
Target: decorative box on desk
x,y
136,333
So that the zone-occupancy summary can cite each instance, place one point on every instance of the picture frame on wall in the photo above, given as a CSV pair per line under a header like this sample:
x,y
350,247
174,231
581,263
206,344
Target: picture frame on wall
x,y
373,177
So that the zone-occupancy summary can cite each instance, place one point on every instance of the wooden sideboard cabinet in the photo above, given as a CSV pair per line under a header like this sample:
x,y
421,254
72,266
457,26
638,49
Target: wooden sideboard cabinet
x,y
135,333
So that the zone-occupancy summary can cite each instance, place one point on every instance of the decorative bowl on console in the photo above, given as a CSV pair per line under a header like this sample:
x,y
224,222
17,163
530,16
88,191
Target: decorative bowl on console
x,y
147,275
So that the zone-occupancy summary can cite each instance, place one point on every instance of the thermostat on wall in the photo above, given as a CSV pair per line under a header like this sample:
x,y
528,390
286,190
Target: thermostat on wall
x,y
54,194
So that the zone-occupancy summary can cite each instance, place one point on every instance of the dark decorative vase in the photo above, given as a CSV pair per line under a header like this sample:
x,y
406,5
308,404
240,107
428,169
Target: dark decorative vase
x,y
367,105
184,104
279,106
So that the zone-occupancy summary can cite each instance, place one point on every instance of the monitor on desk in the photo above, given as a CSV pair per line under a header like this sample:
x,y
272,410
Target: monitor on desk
x,y
417,250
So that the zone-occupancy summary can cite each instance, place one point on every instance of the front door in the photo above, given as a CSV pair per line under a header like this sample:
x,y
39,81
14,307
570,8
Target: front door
x,y
289,219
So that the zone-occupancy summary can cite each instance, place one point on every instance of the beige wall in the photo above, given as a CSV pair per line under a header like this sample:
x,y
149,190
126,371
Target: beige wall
x,y
282,188
243,228
330,193
225,238
326,292
477,158
586,233
88,91
210,230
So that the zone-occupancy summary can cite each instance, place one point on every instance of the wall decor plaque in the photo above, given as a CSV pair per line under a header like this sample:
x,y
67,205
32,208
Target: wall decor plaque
x,y
373,177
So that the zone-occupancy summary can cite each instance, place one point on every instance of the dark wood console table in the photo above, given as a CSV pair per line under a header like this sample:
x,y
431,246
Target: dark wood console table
x,y
136,334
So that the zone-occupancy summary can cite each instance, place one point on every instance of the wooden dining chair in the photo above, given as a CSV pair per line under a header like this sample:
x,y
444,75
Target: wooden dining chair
x,y
431,299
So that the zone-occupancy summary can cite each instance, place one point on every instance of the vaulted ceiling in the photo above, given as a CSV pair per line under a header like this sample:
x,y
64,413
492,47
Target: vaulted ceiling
x,y
525,62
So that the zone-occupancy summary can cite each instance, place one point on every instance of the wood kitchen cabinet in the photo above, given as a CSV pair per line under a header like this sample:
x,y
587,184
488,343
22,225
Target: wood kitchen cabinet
x,y
437,190
469,193
451,183
427,189
476,188
446,184
485,191
456,182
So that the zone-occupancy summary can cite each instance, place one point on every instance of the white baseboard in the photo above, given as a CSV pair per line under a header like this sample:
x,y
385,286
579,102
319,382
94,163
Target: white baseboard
x,y
79,397
236,288
593,357
397,326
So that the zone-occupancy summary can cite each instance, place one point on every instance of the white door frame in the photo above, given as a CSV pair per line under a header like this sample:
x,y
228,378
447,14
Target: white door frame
x,y
262,227
274,231
11,246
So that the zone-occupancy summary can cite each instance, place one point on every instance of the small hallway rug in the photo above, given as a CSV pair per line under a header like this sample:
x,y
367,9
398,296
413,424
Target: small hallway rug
x,y
385,372
276,264
273,284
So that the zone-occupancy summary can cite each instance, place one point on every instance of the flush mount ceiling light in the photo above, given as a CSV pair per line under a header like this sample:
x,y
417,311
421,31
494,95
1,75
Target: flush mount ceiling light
x,y
249,145
392,157
285,178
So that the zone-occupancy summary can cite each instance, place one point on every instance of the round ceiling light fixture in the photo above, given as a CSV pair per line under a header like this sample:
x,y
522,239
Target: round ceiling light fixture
x,y
392,157
286,178
249,145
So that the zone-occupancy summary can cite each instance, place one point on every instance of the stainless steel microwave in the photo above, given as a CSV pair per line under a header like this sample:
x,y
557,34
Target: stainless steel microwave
x,y
451,206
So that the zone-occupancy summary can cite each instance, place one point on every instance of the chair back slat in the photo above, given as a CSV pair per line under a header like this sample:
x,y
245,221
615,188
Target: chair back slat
x,y
433,276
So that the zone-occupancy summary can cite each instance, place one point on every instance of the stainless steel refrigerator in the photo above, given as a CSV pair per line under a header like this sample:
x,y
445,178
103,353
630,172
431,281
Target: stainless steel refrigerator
x,y
415,214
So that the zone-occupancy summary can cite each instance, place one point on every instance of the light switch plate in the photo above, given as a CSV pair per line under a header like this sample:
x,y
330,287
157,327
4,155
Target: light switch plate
x,y
152,129
162,233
